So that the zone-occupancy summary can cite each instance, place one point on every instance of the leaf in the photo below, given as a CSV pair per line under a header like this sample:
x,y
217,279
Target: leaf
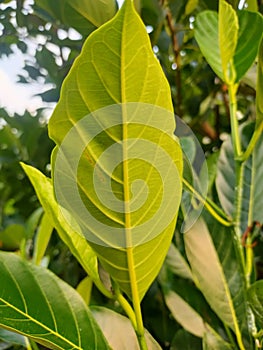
x,y
212,340
252,189
84,288
119,88
186,341
228,36
125,338
177,263
12,236
185,315
249,34
83,15
255,299
76,243
36,303
42,239
209,273
12,337
259,89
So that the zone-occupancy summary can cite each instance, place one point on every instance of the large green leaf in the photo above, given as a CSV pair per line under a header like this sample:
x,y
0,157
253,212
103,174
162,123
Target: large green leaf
x,y
75,242
249,35
209,272
36,303
252,175
83,15
127,137
125,337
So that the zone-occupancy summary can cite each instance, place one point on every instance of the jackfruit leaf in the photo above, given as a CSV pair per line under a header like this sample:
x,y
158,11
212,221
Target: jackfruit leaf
x,y
34,302
252,191
118,166
75,242
82,15
249,35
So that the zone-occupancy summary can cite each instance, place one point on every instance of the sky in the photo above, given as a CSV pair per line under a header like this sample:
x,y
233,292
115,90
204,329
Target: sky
x,y
15,97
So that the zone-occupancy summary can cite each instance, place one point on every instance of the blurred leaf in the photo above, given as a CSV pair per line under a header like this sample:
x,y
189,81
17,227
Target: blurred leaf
x,y
11,337
44,302
212,341
84,288
209,273
249,35
252,5
184,314
42,239
259,89
255,299
12,236
125,337
191,6
177,263
252,189
185,341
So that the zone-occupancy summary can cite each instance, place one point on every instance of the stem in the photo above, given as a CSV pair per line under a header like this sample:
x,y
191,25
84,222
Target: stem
x,y
233,119
177,61
212,208
239,172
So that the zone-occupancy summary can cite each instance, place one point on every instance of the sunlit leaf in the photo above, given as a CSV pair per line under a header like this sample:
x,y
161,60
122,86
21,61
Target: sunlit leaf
x,y
228,36
249,35
75,242
118,70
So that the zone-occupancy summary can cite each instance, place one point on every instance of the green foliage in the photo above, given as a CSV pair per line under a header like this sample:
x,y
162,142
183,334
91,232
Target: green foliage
x,y
197,290
35,302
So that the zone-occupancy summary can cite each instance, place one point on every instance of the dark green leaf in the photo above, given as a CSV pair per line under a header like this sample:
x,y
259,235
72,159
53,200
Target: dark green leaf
x,y
36,303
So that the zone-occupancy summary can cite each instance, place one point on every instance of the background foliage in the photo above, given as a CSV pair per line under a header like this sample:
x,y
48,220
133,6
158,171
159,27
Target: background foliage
x,y
56,31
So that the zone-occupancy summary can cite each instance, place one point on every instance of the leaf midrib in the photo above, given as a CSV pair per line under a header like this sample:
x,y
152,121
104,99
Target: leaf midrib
x,y
27,316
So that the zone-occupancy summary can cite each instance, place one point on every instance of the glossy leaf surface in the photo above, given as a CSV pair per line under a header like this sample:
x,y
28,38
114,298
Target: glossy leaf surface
x,y
249,35
36,303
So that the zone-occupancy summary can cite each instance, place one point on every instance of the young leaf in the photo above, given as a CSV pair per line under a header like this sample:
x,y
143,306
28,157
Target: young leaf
x,y
117,90
228,35
249,35
36,303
